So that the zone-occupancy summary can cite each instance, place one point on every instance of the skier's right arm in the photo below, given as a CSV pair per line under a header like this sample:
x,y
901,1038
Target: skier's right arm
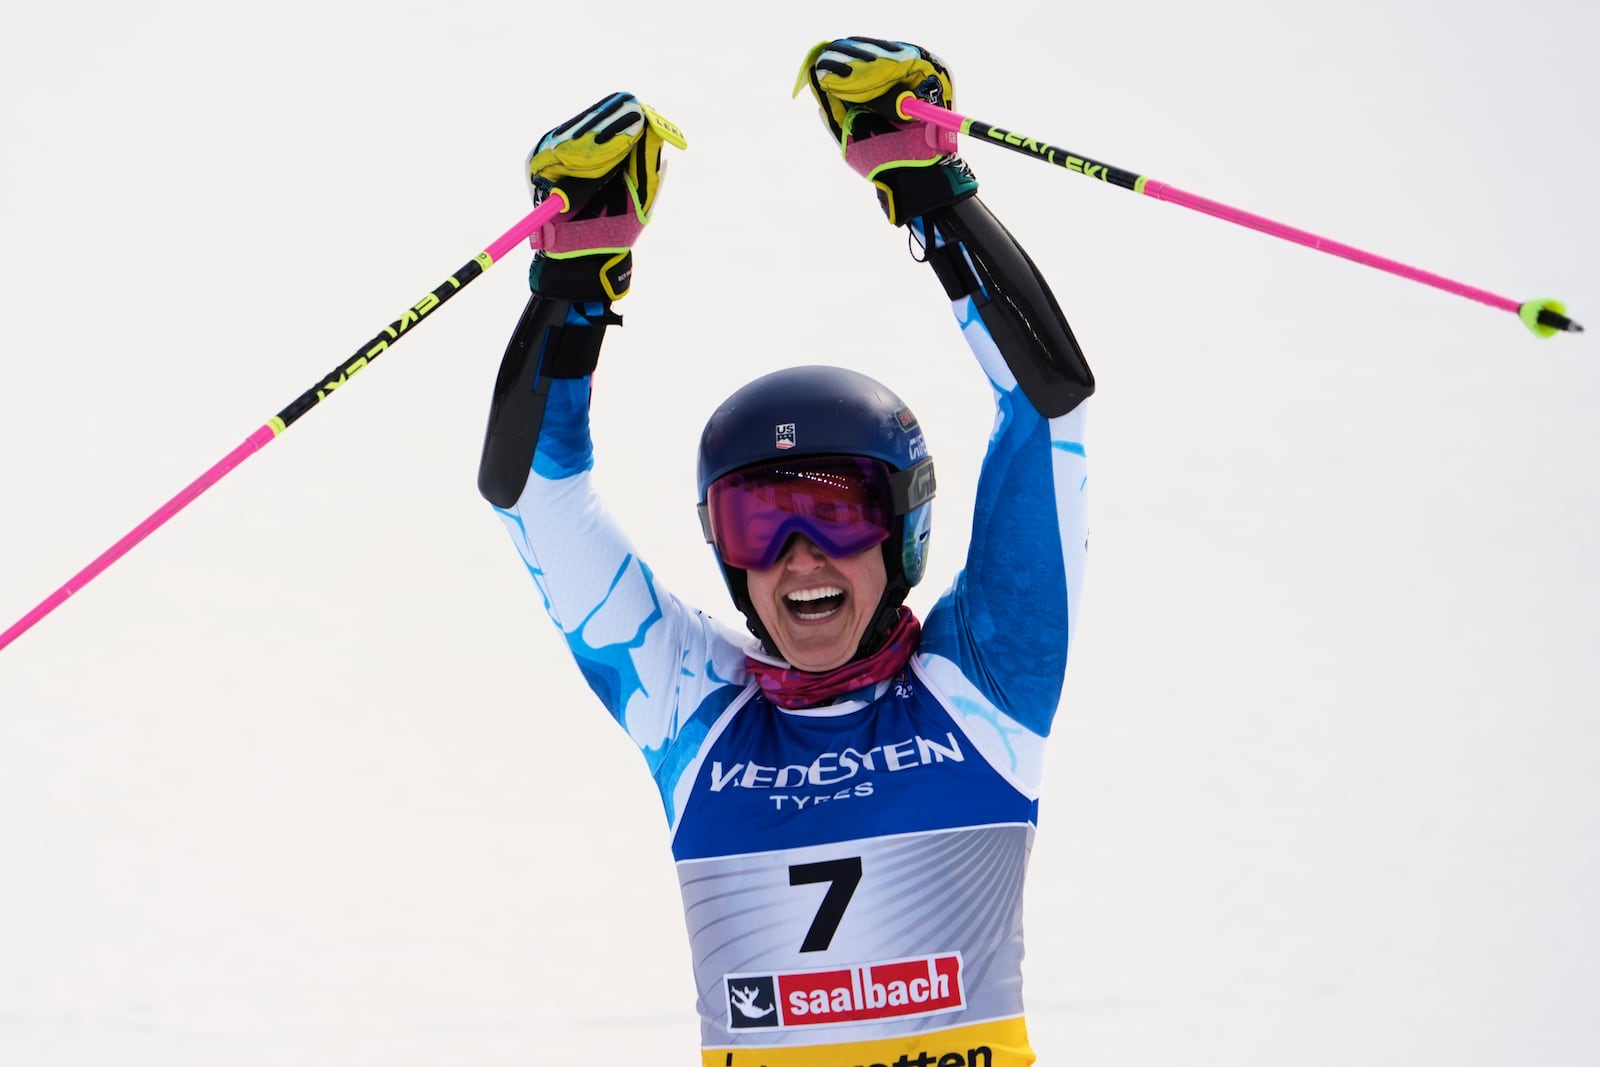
x,y
643,653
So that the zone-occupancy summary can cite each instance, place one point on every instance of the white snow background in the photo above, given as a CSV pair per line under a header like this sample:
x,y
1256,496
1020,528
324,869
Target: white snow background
x,y
309,778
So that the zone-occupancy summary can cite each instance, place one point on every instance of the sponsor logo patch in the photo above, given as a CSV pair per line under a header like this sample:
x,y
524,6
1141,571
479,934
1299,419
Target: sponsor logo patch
x,y
865,992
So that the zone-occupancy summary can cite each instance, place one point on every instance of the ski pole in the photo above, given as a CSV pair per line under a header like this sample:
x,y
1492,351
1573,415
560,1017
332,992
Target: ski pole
x,y
1545,317
329,383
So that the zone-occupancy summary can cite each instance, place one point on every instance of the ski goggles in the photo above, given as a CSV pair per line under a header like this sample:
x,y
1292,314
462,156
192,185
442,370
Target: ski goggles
x,y
842,504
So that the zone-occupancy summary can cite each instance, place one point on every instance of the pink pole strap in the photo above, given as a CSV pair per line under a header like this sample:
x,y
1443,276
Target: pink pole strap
x,y
529,225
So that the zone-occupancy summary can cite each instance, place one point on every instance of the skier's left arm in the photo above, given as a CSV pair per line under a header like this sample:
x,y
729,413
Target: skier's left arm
x,y
1011,615
1004,627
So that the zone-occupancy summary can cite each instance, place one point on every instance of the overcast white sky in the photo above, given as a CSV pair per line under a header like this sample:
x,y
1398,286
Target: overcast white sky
x,y
308,777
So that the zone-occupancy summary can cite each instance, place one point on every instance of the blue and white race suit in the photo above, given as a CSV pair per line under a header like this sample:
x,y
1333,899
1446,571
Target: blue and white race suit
x,y
852,875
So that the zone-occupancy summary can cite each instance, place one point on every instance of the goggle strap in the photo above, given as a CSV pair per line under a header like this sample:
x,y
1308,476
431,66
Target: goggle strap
x,y
912,487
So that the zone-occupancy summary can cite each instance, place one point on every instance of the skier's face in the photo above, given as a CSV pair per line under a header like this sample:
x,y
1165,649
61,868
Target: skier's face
x,y
817,608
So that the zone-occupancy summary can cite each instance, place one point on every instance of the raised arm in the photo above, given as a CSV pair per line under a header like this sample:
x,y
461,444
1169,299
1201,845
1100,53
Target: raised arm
x,y
651,660
1009,618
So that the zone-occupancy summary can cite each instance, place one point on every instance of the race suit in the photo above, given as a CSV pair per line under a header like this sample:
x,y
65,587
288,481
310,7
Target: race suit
x,y
852,874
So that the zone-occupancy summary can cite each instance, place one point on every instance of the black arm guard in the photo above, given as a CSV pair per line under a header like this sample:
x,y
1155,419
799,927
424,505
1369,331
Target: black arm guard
x,y
1017,305
555,338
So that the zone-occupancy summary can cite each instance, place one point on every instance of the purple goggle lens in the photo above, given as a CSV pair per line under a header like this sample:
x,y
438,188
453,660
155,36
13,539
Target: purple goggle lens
x,y
842,504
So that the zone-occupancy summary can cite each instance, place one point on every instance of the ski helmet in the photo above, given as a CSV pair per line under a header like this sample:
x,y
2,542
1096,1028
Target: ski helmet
x,y
817,411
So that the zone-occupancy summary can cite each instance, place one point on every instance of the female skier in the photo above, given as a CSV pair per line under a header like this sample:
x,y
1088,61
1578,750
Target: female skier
x,y
851,794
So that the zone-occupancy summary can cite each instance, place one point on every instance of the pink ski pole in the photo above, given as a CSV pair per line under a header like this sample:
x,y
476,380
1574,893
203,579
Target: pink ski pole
x,y
532,222
1544,317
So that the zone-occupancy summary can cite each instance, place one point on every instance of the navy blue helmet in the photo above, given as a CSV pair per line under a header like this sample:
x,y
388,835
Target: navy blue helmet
x,y
826,411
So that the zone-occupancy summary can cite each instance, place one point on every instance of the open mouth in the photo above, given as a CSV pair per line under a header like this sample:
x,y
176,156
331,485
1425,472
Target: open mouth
x,y
811,605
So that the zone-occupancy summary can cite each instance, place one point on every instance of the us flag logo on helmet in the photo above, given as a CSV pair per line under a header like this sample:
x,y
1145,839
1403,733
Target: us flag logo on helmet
x,y
785,435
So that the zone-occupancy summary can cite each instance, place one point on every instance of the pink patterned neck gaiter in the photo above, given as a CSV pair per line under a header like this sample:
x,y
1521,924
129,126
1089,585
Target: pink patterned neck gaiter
x,y
788,687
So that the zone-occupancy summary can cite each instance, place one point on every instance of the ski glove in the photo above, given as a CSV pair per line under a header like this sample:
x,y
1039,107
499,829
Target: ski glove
x,y
858,82
606,164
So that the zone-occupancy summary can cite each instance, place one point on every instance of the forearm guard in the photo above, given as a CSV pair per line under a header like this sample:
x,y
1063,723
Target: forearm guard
x,y
979,258
555,338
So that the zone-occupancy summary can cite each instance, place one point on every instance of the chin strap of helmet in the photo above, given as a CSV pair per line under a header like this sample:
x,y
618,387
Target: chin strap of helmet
x,y
739,589
894,593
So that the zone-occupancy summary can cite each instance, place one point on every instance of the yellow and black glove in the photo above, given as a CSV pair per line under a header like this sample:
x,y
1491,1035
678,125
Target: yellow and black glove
x,y
606,163
858,82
